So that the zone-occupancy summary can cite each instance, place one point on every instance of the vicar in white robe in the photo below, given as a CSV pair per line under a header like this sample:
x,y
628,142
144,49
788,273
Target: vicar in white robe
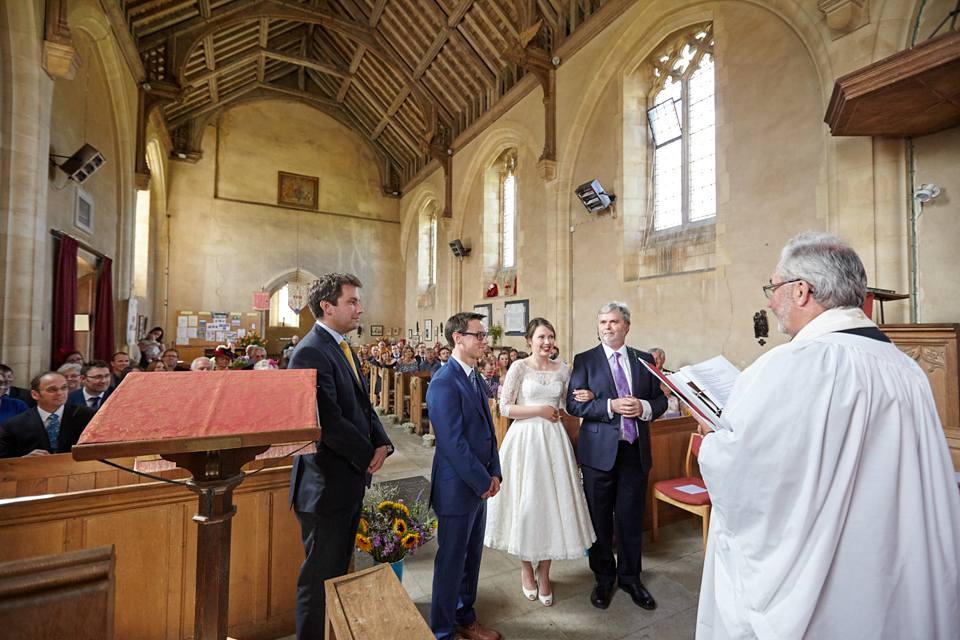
x,y
835,505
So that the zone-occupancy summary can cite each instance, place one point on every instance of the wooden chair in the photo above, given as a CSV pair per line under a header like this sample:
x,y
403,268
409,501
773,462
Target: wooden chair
x,y
697,504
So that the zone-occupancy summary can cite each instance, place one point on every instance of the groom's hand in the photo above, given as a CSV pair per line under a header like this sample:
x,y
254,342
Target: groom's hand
x,y
494,488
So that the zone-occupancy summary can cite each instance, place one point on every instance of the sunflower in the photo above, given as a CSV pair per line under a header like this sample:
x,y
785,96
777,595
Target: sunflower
x,y
385,503
363,526
363,543
400,527
411,541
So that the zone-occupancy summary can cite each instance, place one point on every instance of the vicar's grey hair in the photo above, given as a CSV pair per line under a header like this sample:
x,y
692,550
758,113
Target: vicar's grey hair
x,y
827,263
619,307
660,351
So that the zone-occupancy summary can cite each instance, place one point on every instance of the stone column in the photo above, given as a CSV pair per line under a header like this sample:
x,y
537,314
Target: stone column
x,y
24,165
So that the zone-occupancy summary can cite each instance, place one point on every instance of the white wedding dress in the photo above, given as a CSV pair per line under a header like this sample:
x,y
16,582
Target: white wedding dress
x,y
540,512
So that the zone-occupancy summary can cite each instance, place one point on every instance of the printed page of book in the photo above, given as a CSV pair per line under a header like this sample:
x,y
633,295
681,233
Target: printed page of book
x,y
715,376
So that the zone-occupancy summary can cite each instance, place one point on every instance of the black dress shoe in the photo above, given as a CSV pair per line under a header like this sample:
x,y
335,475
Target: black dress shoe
x,y
640,595
600,597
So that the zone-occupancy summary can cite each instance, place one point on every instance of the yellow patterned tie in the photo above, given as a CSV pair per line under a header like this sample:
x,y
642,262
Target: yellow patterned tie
x,y
349,356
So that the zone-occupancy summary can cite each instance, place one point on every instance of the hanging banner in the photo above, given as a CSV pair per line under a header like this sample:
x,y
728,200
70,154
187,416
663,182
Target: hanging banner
x,y
297,296
261,300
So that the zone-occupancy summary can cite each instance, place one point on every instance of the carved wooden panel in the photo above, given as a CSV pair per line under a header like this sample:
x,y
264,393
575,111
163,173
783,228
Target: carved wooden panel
x,y
935,348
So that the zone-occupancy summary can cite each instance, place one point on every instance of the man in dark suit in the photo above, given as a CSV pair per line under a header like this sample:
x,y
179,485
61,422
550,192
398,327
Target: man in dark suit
x,y
326,488
17,393
120,362
171,358
96,388
616,397
466,471
50,427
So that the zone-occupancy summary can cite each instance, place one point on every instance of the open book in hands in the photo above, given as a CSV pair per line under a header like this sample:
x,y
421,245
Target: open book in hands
x,y
705,387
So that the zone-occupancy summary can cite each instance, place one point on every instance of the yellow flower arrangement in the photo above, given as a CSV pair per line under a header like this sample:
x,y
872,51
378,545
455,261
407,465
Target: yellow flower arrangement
x,y
390,530
363,543
411,541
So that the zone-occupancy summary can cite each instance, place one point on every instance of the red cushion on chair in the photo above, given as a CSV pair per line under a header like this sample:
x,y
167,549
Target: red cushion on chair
x,y
669,488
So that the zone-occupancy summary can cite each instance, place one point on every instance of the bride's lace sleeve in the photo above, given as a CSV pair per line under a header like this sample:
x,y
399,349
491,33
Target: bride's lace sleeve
x,y
565,376
510,388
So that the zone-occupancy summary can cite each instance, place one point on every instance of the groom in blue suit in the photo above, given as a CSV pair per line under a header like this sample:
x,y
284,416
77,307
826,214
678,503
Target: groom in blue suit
x,y
616,397
466,471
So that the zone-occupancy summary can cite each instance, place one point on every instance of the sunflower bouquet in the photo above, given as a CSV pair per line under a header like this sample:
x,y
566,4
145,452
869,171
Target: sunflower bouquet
x,y
389,529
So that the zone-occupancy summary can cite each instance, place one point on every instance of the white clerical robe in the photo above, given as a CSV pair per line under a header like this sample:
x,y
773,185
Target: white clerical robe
x,y
835,505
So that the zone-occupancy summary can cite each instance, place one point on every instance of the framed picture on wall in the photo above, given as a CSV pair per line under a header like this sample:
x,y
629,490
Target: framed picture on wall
x,y
83,211
396,331
299,192
376,330
487,311
427,329
516,314
141,327
410,334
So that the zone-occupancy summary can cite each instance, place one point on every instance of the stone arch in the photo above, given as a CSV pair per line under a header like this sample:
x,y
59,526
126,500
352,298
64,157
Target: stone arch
x,y
282,277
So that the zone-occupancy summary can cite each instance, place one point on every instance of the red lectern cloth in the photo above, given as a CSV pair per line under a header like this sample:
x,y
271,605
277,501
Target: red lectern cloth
x,y
177,411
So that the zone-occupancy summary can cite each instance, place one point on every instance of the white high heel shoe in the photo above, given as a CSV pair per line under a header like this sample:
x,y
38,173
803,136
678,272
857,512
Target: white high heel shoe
x,y
547,600
531,594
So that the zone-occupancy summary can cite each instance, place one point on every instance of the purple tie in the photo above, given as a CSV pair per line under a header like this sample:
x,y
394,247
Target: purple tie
x,y
623,390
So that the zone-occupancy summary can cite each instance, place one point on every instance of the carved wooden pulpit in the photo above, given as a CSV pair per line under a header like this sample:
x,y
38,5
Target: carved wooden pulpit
x,y
210,423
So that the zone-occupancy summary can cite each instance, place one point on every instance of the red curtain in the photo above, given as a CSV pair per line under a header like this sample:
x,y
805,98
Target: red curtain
x,y
64,300
103,343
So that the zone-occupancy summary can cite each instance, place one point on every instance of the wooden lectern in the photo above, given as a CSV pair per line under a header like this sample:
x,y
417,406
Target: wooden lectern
x,y
210,423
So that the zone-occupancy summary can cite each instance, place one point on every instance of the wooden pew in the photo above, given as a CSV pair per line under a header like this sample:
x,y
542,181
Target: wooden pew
x,y
401,392
386,388
372,382
68,595
418,400
500,422
151,526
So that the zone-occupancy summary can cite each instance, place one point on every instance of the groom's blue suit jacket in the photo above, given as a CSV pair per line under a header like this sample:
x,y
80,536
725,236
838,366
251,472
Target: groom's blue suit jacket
x,y
466,458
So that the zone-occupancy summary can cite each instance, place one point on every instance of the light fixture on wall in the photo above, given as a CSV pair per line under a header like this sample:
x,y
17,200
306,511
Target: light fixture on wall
x,y
926,193
83,164
593,196
459,250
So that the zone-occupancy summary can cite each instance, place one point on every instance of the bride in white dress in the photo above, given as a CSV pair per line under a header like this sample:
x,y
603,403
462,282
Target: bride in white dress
x,y
540,513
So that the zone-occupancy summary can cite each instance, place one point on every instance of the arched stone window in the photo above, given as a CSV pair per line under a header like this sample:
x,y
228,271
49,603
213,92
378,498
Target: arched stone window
x,y
427,253
508,210
682,120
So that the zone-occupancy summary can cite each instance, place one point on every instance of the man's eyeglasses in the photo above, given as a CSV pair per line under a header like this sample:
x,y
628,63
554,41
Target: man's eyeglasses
x,y
479,335
769,289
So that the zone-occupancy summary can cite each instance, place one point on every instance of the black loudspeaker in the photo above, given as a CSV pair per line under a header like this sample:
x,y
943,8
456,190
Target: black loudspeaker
x,y
593,197
83,164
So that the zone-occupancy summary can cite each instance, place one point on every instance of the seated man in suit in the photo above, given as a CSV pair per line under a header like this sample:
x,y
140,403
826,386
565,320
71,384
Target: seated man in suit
x,y
96,385
17,393
120,362
50,427
256,354
171,358
431,364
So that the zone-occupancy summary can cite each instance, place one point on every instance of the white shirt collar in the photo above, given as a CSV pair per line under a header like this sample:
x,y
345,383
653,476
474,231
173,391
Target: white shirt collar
x,y
87,396
336,336
467,369
833,320
608,352
46,414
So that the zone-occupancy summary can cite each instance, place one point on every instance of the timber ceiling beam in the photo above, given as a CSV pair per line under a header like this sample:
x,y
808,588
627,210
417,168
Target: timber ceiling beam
x,y
118,24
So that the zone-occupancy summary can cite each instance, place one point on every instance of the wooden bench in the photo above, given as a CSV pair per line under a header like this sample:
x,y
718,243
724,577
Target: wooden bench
x,y
386,389
401,394
372,604
68,595
418,401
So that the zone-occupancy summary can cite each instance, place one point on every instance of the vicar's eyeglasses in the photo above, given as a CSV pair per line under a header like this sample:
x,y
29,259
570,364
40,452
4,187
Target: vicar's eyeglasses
x,y
479,335
769,289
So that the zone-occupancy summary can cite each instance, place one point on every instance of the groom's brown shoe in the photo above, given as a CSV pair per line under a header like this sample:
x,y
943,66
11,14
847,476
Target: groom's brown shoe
x,y
477,631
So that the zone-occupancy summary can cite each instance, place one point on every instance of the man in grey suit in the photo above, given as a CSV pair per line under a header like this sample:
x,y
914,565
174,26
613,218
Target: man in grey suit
x,y
327,487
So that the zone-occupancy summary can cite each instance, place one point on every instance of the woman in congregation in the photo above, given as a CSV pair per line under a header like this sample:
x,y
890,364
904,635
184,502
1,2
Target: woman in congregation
x,y
385,361
540,513
71,371
157,365
503,363
408,363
